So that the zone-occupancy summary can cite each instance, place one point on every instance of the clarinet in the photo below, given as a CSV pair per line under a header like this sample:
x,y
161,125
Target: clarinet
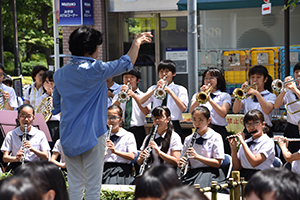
x,y
149,149
23,144
107,138
184,166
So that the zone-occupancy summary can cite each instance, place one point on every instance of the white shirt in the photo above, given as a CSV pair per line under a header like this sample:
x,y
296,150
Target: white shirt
x,y
175,145
137,116
212,147
180,92
58,148
125,143
289,97
13,143
13,98
39,100
264,145
221,97
249,104
116,90
34,94
296,165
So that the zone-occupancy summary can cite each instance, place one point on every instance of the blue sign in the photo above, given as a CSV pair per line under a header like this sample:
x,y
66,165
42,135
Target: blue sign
x,y
76,12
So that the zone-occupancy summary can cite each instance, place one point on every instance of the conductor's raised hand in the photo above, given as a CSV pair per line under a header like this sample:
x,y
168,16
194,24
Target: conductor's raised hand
x,y
144,37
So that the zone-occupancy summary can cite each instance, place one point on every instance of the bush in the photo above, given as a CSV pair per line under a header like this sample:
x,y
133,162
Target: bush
x,y
27,66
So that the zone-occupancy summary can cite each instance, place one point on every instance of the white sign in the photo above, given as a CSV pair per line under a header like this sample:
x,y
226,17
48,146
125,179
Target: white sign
x,y
266,9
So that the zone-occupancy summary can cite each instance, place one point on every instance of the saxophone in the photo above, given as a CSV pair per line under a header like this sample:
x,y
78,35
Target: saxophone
x,y
149,149
23,144
184,166
107,138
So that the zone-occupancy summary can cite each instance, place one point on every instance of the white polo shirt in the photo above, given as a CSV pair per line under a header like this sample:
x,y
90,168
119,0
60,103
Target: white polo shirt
x,y
125,143
13,98
181,93
220,98
212,147
34,94
13,142
264,145
289,97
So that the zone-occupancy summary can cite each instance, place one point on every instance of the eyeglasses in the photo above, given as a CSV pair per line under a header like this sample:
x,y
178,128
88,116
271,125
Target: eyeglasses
x,y
26,116
2,74
252,124
113,118
210,78
157,118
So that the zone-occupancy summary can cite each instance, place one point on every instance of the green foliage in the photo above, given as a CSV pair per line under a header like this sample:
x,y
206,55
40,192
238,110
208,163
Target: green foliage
x,y
291,3
116,195
5,175
27,66
38,57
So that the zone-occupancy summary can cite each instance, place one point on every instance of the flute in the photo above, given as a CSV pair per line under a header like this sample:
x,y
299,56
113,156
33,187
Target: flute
x,y
288,139
24,138
107,138
231,137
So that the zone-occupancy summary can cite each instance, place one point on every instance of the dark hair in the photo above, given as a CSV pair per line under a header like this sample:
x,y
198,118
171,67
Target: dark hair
x,y
25,105
19,188
297,67
7,81
185,193
156,112
259,69
167,64
84,40
120,113
135,72
204,110
156,182
1,67
47,74
47,175
36,70
254,115
221,84
284,184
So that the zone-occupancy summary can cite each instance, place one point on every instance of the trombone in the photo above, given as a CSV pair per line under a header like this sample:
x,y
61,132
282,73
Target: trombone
x,y
291,112
278,85
202,97
239,93
160,93
123,96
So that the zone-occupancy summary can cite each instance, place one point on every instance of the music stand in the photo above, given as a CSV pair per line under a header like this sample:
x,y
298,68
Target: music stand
x,y
8,122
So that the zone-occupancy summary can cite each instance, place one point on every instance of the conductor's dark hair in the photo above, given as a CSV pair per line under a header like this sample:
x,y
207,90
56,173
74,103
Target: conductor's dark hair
x,y
204,110
185,193
221,84
281,181
156,182
135,72
84,40
36,70
167,64
262,70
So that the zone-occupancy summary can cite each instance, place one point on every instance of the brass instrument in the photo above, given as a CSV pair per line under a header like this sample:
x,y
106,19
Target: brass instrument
x,y
202,97
148,149
3,101
184,167
291,112
239,93
107,138
278,85
123,96
160,93
288,139
24,138
46,107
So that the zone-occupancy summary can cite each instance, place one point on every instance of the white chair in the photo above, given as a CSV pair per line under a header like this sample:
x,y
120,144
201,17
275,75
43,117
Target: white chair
x,y
226,165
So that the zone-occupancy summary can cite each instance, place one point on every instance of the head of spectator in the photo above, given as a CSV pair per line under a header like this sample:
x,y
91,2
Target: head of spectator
x,y
185,193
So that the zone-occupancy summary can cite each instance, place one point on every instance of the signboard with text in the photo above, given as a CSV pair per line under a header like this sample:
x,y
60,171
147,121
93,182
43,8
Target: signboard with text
x,y
76,12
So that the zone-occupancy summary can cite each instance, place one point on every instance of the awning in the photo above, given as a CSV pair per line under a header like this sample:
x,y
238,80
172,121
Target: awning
x,y
226,4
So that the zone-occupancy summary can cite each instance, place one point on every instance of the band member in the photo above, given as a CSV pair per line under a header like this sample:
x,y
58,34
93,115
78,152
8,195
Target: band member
x,y
167,146
218,102
256,153
176,95
262,98
113,89
288,94
121,150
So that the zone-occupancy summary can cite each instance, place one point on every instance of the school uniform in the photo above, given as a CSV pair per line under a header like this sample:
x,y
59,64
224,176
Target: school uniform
x,y
58,148
218,123
175,145
32,93
292,130
13,98
176,113
296,165
138,119
115,89
118,170
13,143
252,103
263,145
211,147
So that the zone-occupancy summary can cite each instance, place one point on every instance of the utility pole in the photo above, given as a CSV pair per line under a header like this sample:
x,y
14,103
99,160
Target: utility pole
x,y
1,37
287,38
17,70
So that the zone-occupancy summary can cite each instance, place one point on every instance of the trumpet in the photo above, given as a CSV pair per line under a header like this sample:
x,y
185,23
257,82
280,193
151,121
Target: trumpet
x,y
160,93
278,85
3,101
24,138
107,138
149,149
239,93
184,166
123,96
202,97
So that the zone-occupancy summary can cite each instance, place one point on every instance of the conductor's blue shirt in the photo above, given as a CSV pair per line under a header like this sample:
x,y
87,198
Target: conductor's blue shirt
x,y
80,94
